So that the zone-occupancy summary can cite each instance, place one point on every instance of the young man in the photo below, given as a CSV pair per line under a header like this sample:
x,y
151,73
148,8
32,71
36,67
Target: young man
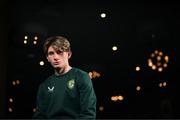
x,y
69,92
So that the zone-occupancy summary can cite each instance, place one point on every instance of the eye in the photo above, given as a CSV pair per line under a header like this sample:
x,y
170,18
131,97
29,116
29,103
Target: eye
x,y
50,53
59,52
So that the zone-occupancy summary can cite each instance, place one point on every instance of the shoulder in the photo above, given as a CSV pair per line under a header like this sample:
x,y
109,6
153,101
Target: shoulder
x,y
80,72
82,77
46,80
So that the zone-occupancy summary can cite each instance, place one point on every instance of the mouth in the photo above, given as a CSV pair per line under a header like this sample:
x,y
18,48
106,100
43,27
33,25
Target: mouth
x,y
56,63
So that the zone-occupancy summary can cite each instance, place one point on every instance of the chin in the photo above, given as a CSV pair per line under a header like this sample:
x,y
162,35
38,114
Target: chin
x,y
58,67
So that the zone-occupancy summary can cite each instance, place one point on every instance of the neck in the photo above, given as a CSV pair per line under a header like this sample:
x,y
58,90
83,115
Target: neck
x,y
61,71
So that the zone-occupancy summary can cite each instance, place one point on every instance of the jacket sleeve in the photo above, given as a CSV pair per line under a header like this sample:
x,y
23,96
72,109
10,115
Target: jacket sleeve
x,y
40,104
87,97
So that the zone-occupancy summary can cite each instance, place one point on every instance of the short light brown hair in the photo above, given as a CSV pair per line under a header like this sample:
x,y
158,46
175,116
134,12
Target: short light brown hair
x,y
58,42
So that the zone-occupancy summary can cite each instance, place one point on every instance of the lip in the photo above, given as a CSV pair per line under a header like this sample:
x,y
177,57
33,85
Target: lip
x,y
56,63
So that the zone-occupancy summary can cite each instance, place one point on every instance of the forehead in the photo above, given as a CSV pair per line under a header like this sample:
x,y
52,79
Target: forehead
x,y
54,49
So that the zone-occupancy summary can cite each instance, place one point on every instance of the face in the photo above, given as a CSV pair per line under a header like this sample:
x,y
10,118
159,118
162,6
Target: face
x,y
57,58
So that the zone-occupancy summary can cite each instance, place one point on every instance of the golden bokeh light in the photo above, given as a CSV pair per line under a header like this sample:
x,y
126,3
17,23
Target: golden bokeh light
x,y
158,61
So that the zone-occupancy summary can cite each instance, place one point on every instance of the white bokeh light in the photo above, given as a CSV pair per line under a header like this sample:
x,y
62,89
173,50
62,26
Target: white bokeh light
x,y
41,63
114,48
34,42
25,41
103,15
25,37
35,38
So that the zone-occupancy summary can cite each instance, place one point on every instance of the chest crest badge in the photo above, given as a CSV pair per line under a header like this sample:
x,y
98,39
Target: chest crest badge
x,y
71,84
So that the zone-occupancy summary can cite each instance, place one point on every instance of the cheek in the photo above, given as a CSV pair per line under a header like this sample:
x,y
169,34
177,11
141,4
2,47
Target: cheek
x,y
49,59
64,59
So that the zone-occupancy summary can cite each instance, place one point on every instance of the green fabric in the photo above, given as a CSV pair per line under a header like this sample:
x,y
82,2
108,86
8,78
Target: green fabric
x,y
69,96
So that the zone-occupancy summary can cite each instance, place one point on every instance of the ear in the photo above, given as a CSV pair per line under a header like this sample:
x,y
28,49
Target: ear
x,y
69,54
47,58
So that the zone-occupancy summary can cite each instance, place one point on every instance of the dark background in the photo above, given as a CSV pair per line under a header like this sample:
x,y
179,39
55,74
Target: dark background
x,y
137,29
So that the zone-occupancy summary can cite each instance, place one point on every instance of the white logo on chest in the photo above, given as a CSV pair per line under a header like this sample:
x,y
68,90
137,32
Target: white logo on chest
x,y
50,89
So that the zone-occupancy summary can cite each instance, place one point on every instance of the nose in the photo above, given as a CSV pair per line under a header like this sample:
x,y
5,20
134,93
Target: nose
x,y
56,57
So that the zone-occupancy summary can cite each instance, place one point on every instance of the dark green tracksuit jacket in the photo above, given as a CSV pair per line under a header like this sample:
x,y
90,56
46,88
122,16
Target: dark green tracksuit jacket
x,y
69,96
